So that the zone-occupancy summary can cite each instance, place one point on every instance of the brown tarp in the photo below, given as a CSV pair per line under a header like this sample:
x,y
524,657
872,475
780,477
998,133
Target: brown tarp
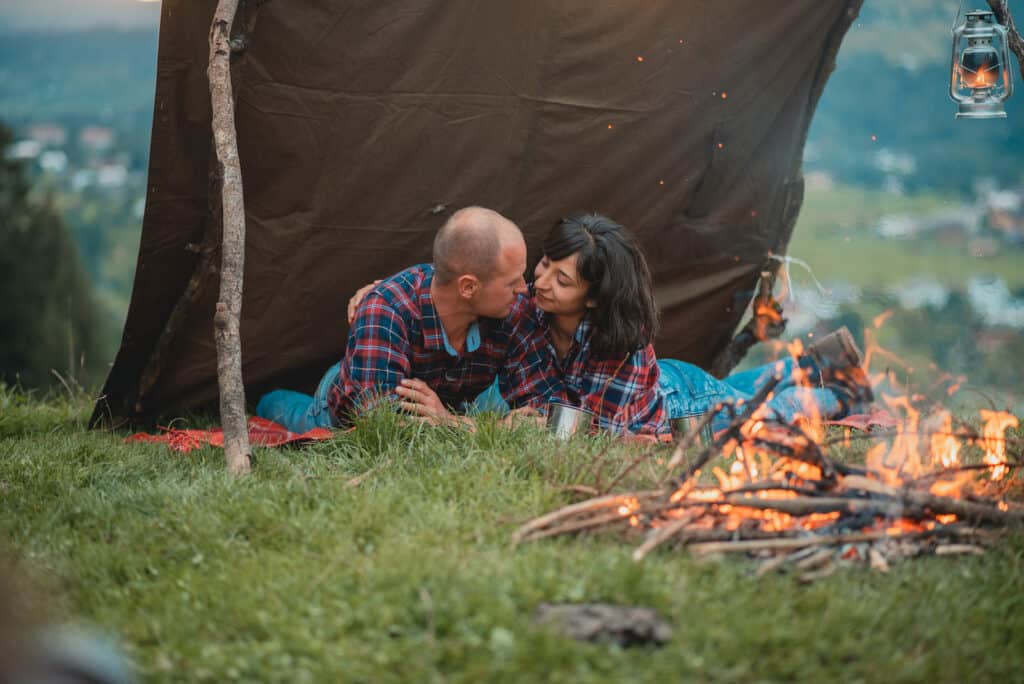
x,y
363,124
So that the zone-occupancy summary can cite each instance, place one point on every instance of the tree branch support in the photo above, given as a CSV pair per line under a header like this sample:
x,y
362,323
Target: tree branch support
x,y
229,304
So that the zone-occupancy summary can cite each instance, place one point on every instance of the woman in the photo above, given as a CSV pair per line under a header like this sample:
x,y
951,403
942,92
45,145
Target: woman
x,y
592,294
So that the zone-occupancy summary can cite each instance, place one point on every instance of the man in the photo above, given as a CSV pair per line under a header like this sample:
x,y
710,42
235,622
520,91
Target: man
x,y
436,335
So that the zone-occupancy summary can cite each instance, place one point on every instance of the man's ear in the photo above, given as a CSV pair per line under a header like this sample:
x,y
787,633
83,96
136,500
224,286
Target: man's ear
x,y
468,285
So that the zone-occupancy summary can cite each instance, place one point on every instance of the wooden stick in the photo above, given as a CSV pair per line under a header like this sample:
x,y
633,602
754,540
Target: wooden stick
x,y
664,533
965,510
771,486
609,519
583,507
790,544
958,550
229,304
939,474
800,506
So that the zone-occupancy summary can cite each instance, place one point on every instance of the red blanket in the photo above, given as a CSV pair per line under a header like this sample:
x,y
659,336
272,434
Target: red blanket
x,y
262,432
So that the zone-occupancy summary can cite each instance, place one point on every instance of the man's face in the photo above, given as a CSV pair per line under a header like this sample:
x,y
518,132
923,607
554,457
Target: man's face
x,y
496,297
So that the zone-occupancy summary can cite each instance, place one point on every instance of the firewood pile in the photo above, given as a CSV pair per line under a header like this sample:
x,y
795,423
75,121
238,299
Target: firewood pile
x,y
780,498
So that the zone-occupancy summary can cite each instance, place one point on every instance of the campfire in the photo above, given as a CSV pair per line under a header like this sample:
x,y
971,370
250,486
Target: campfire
x,y
931,483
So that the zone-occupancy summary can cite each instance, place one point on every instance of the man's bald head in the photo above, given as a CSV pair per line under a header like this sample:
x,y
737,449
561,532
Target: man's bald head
x,y
470,243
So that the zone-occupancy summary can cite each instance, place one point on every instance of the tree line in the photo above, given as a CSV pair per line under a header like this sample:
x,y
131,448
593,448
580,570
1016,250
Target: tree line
x,y
51,329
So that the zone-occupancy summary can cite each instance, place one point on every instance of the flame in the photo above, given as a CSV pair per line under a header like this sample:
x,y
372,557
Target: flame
x,y
993,440
985,77
945,447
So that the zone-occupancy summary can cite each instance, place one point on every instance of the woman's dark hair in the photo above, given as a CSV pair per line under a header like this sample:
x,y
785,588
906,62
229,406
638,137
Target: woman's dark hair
x,y
611,262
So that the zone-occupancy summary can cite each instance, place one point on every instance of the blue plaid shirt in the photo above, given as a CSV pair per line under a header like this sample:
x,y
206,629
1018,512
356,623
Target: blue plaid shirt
x,y
621,390
397,334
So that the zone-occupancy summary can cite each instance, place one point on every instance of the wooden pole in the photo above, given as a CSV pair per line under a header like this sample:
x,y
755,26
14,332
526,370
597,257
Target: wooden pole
x,y
1001,8
229,303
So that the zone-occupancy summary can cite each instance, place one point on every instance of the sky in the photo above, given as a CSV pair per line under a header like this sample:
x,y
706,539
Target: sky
x,y
61,15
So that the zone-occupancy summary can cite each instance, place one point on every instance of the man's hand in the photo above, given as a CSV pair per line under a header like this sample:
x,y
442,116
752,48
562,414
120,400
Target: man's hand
x,y
358,297
420,400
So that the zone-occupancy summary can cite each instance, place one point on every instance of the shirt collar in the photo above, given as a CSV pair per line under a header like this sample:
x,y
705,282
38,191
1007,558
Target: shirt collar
x,y
581,337
434,335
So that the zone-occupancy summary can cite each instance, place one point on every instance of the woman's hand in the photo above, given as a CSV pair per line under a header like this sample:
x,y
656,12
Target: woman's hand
x,y
523,414
360,294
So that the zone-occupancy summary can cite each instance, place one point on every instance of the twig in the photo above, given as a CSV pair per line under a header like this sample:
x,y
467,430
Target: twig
x,y
576,526
939,474
959,549
743,546
688,440
588,506
771,486
664,533
801,506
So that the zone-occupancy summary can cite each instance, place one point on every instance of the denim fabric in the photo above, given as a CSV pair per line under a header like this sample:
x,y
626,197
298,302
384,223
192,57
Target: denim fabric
x,y
691,391
300,412
489,400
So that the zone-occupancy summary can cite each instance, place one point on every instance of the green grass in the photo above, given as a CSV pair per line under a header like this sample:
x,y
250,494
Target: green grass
x,y
292,575
835,235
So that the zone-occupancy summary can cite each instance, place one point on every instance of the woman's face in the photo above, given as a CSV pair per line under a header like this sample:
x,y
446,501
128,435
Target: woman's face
x,y
559,288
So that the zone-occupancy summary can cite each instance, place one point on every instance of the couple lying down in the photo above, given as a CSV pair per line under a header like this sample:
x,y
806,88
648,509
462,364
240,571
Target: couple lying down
x,y
466,333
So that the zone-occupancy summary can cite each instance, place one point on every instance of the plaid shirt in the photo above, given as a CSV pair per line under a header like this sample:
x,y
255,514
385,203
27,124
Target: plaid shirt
x,y
621,390
397,334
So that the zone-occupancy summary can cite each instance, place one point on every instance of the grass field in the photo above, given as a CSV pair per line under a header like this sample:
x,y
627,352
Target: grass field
x,y
297,574
835,235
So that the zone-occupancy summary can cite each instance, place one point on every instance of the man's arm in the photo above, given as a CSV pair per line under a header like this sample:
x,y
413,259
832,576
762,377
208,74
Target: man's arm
x,y
376,359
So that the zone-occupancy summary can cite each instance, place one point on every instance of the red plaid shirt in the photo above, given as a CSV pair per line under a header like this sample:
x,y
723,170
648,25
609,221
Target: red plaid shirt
x,y
397,334
621,390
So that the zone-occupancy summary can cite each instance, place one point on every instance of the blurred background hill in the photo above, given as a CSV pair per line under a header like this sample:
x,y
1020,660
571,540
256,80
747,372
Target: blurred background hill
x,y
906,209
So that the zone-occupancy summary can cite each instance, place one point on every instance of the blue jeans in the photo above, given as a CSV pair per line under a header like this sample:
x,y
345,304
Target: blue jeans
x,y
300,412
692,391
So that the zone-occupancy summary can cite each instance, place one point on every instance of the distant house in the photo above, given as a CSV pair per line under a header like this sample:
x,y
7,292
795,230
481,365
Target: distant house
x,y
111,175
1005,214
53,161
97,138
895,163
24,150
47,134
949,224
920,292
898,227
991,299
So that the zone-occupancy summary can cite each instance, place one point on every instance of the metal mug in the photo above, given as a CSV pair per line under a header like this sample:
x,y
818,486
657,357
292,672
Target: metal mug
x,y
565,420
687,424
